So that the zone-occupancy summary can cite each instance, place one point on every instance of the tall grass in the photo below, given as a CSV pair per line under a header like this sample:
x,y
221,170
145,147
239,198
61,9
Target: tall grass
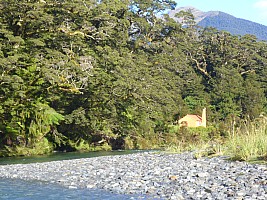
x,y
244,141
248,141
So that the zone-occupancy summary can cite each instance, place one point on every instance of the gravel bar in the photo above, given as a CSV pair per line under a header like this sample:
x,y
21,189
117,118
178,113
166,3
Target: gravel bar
x,y
152,175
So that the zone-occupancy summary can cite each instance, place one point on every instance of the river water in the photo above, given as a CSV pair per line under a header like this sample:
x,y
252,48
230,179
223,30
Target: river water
x,y
61,156
32,190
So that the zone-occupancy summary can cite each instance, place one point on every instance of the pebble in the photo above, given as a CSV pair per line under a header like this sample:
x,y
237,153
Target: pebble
x,y
157,175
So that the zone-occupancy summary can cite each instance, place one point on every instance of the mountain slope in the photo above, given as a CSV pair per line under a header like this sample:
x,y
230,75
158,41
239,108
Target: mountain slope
x,y
226,22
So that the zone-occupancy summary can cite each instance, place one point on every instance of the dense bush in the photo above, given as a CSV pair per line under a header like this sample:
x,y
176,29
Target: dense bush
x,y
78,75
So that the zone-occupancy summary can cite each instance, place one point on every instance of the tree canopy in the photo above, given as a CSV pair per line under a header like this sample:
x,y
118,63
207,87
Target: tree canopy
x,y
94,72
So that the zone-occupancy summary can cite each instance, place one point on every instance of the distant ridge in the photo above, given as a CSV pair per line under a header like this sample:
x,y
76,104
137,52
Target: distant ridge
x,y
224,21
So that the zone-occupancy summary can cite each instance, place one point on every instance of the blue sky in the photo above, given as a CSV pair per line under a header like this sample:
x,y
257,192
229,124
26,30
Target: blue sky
x,y
253,10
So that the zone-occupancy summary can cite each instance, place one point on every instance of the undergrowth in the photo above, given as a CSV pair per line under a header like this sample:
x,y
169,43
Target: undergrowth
x,y
245,141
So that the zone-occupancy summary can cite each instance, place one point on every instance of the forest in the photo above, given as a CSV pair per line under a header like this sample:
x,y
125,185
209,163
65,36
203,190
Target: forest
x,y
235,26
102,75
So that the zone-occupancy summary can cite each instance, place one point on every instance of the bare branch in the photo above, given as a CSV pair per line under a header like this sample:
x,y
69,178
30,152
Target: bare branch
x,y
198,65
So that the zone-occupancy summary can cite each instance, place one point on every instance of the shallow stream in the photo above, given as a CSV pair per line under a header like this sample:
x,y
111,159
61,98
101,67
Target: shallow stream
x,y
16,189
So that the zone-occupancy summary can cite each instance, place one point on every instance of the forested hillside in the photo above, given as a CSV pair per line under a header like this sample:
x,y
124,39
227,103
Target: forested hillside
x,y
224,22
85,73
236,26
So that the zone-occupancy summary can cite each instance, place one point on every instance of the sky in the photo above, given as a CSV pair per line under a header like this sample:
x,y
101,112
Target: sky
x,y
253,10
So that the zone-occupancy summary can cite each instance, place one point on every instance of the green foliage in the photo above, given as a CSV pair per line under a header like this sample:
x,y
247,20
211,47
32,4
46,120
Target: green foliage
x,y
173,129
42,147
248,141
196,134
83,75
194,103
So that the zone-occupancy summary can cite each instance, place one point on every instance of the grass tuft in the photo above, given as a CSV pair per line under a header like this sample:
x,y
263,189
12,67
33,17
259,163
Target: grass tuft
x,y
248,141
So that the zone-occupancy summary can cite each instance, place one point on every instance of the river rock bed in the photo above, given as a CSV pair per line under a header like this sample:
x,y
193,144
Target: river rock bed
x,y
152,176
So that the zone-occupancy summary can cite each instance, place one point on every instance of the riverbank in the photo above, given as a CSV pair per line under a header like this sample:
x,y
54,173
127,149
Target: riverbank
x,y
157,175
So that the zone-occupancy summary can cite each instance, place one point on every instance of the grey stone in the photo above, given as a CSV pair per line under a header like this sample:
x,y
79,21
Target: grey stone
x,y
202,174
160,175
